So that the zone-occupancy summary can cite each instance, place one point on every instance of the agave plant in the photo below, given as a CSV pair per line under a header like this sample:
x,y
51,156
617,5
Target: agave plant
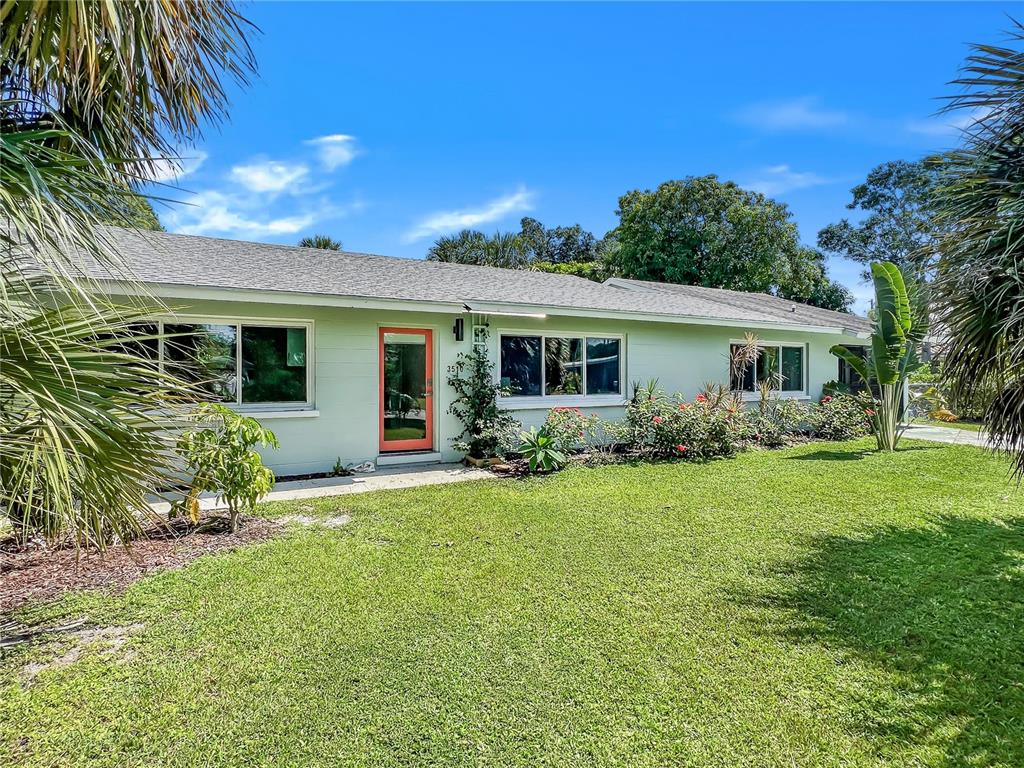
x,y
541,450
900,327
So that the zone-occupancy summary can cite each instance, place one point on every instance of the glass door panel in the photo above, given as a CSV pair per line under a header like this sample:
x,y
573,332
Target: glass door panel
x,y
406,396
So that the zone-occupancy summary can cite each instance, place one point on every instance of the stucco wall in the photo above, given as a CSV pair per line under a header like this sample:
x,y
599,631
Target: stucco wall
x,y
346,387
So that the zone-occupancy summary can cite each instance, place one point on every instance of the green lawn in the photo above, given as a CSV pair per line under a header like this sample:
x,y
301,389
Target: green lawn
x,y
818,606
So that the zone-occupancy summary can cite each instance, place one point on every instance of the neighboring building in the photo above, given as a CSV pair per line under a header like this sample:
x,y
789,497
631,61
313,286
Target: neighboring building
x,y
347,355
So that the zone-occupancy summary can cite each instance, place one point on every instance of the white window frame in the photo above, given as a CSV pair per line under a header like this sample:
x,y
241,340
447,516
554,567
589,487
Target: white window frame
x,y
262,409
521,402
801,394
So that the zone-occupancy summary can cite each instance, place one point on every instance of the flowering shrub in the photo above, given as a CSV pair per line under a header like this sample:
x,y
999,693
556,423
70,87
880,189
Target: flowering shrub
x,y
659,425
571,428
840,417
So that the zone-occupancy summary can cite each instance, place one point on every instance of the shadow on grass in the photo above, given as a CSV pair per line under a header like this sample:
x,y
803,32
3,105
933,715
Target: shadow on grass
x,y
827,455
940,610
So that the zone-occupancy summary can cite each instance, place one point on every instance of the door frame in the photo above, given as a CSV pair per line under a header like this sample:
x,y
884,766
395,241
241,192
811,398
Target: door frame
x,y
423,444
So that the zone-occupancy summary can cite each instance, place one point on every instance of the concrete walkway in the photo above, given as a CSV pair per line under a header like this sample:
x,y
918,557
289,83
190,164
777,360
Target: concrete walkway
x,y
946,435
382,479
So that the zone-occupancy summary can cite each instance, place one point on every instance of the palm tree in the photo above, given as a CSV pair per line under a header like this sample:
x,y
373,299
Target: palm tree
x,y
323,242
979,285
92,97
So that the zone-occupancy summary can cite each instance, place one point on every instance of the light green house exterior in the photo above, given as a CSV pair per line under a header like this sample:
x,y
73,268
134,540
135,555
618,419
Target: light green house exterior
x,y
341,413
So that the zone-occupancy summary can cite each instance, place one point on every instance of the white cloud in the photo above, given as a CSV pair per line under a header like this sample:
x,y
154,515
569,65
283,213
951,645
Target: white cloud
x,y
335,150
212,212
451,221
269,176
795,114
170,169
779,179
946,125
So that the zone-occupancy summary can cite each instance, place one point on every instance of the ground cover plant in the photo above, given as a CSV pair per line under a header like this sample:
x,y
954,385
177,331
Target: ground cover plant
x,y
822,605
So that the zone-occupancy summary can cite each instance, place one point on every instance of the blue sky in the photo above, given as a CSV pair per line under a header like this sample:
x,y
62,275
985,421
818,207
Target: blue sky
x,y
387,125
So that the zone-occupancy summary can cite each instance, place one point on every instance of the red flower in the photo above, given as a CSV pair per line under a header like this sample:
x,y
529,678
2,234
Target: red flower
x,y
827,399
683,406
681,448
869,412
700,399
658,419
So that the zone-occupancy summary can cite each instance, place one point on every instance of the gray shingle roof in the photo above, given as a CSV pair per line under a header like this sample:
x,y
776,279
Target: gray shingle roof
x,y
763,303
187,260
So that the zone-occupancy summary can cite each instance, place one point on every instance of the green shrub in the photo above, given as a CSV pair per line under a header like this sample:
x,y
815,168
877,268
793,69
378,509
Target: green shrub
x,y
486,430
839,417
776,420
222,459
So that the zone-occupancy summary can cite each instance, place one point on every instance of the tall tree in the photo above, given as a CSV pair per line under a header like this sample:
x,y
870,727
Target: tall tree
x,y
557,245
93,95
898,225
701,231
808,282
323,242
979,286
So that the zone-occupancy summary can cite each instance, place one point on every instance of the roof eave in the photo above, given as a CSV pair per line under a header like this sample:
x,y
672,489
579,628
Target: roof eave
x,y
265,296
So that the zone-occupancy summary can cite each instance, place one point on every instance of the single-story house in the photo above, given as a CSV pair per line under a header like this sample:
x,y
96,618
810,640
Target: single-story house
x,y
347,355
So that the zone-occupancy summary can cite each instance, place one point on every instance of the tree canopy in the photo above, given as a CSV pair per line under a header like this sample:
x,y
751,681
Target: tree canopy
x,y
702,231
557,245
899,224
323,242
130,210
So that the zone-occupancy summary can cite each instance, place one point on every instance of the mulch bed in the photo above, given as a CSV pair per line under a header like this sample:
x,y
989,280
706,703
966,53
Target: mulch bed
x,y
35,573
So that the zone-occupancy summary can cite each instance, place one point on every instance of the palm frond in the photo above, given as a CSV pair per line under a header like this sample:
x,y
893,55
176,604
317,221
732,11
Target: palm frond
x,y
979,287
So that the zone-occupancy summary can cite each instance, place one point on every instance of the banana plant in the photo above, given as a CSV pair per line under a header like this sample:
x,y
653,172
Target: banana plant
x,y
900,326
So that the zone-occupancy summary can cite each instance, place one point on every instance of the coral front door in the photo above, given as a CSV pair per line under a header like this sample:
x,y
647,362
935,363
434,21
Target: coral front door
x,y
406,389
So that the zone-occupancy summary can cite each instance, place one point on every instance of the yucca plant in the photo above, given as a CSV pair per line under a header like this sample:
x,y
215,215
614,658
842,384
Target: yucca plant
x,y
979,283
900,326
92,97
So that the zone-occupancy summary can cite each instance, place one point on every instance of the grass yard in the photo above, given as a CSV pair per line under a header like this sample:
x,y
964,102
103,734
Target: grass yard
x,y
817,606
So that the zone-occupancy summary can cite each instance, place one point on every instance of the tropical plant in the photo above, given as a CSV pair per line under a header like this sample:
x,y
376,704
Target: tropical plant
x,y
95,98
978,286
541,450
502,249
323,242
900,326
487,431
78,457
222,459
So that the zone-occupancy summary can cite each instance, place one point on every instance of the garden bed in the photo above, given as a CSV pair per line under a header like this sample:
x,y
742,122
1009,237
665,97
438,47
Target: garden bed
x,y
36,573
